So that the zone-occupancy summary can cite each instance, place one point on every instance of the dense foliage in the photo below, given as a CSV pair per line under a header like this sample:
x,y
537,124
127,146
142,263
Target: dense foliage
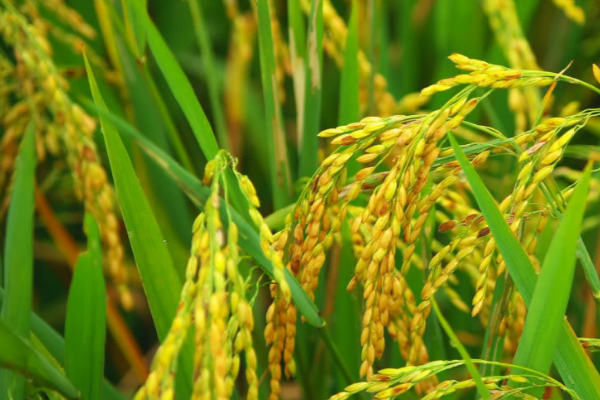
x,y
292,199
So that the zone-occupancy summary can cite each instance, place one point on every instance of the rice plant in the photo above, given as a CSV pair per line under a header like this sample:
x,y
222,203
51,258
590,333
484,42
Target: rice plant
x,y
299,199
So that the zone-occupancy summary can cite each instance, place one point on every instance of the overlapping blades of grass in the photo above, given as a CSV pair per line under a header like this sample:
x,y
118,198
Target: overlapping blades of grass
x,y
297,39
350,81
182,90
249,239
574,365
209,66
275,138
184,94
134,24
159,277
85,326
312,94
19,355
55,345
18,257
551,295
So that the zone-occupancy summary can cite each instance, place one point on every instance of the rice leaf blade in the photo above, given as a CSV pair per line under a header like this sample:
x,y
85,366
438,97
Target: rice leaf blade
x,y
280,176
18,355
209,66
54,343
18,254
184,94
297,34
312,106
349,110
549,303
134,24
85,326
574,365
182,90
159,277
481,388
167,202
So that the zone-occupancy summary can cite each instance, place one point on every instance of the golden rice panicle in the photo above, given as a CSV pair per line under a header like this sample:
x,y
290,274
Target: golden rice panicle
x,y
213,357
75,129
318,216
483,74
391,382
426,152
311,228
402,308
280,329
571,10
445,262
222,314
242,322
514,324
160,382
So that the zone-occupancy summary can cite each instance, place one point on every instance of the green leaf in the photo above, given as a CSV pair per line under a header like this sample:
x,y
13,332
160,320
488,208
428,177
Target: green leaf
x,y
297,34
167,201
373,37
249,239
17,354
297,31
182,90
18,256
349,99
159,277
574,365
134,24
553,288
210,72
345,323
55,345
275,138
85,326
312,93
350,80
411,36
493,342
184,94
481,388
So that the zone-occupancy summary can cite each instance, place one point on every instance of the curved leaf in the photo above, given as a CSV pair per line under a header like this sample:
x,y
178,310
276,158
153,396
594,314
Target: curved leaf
x,y
574,365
